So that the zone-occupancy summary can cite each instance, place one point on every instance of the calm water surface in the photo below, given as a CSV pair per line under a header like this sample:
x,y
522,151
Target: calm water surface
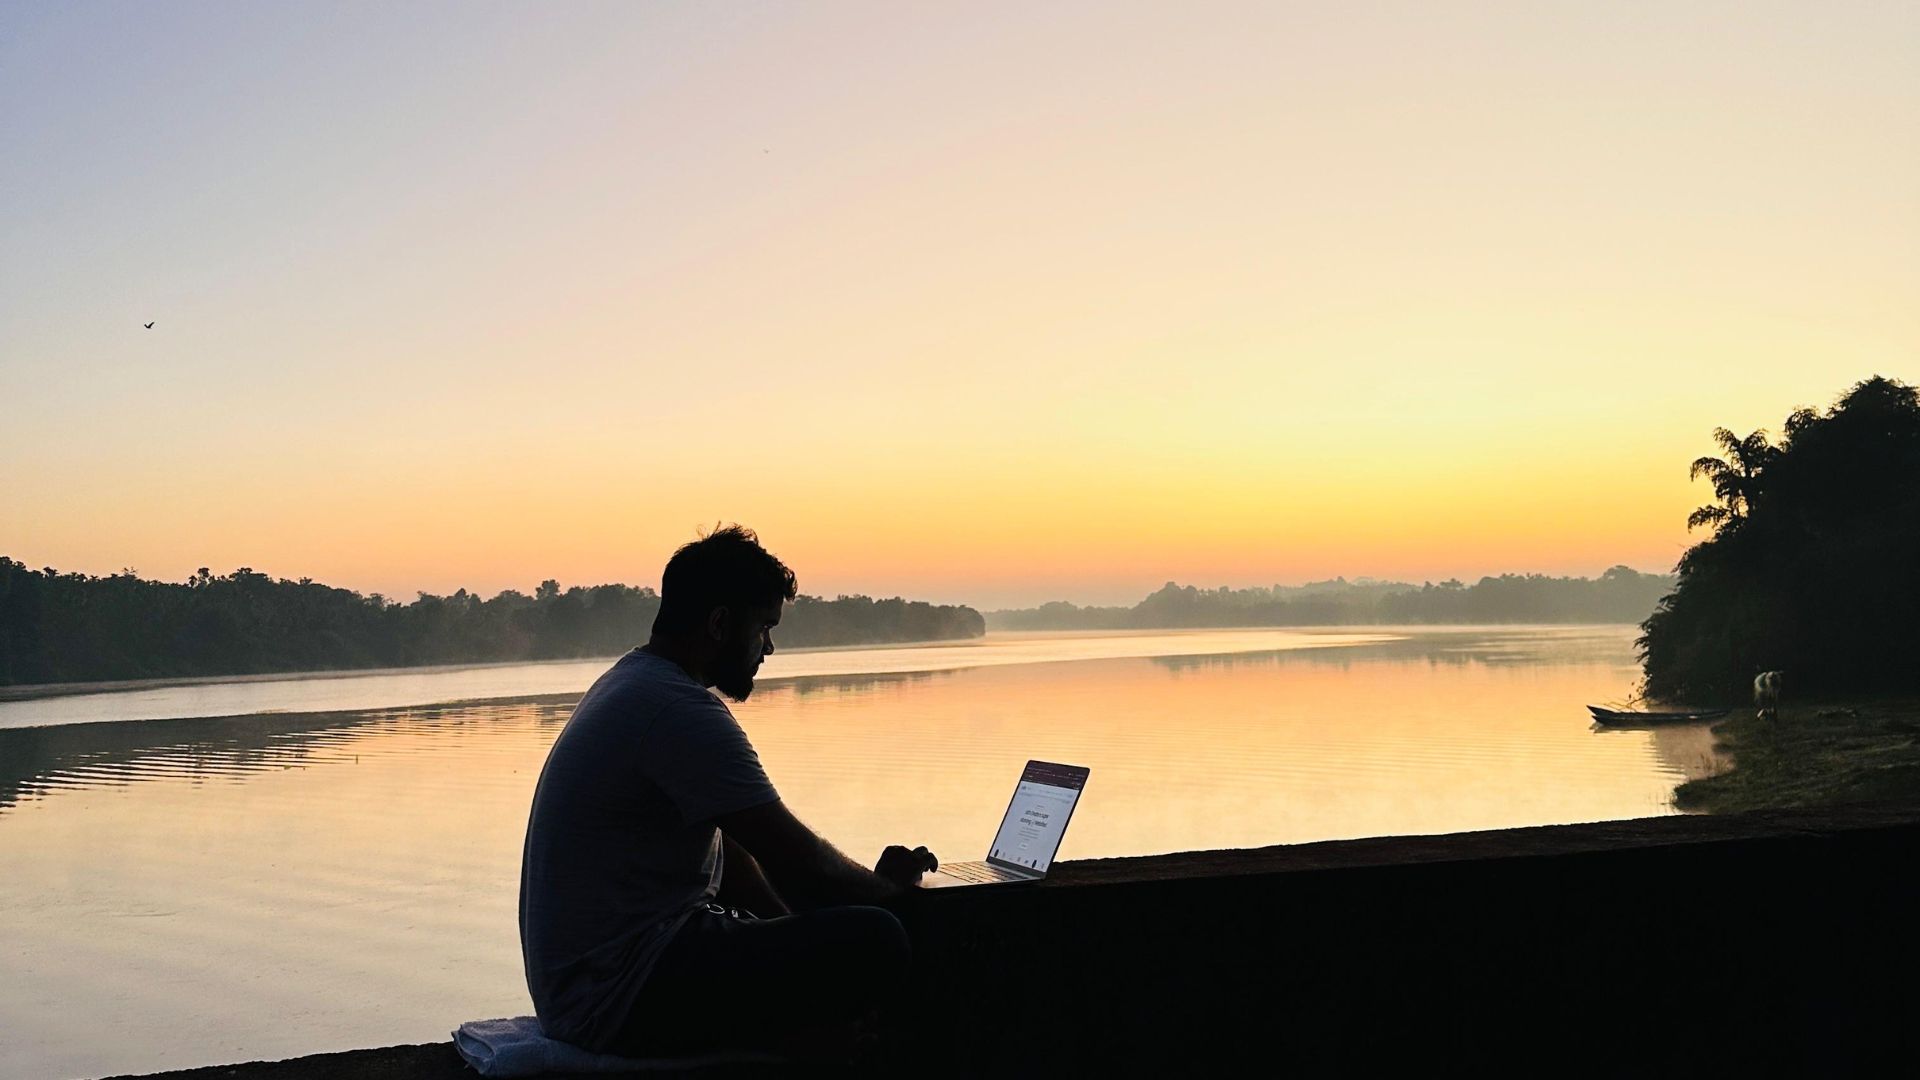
x,y
187,892
336,691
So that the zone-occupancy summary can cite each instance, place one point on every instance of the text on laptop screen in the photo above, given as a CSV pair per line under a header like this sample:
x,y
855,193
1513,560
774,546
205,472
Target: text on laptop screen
x,y
1030,833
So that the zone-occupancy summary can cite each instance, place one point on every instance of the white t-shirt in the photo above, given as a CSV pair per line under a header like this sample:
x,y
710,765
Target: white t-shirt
x,y
621,842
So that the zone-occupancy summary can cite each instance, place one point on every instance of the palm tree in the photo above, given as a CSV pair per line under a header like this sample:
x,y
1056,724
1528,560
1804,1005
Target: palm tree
x,y
1737,478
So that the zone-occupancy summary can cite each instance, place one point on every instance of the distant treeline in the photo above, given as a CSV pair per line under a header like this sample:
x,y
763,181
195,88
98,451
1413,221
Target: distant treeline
x,y
57,627
1619,595
1813,567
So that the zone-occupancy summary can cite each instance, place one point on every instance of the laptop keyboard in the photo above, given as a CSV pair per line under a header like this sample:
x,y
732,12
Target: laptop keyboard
x,y
976,872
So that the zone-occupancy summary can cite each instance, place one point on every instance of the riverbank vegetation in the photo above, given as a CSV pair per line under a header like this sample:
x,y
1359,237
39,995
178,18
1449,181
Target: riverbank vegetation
x,y
1810,569
69,627
1811,566
1618,595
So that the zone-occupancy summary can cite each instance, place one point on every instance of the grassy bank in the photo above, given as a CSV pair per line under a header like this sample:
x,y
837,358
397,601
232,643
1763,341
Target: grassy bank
x,y
1813,755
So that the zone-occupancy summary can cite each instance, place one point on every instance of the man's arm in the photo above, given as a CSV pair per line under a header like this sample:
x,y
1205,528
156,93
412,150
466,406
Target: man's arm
x,y
807,871
744,885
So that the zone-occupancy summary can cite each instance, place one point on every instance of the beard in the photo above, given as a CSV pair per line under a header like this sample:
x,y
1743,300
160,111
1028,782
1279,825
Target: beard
x,y
736,682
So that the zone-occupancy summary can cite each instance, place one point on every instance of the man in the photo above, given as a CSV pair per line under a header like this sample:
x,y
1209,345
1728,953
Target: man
x,y
654,831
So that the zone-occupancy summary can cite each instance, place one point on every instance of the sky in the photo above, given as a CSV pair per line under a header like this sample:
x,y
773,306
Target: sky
x,y
991,304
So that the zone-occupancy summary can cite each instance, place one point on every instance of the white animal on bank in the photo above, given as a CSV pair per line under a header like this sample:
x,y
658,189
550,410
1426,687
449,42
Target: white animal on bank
x,y
1766,694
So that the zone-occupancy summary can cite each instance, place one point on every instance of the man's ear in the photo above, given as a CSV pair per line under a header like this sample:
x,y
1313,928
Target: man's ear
x,y
717,623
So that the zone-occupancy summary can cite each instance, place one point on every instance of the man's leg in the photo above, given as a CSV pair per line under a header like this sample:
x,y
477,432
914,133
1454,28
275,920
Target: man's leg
x,y
741,983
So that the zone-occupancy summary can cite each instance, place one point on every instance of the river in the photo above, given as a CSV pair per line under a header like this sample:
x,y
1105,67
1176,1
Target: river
x,y
225,871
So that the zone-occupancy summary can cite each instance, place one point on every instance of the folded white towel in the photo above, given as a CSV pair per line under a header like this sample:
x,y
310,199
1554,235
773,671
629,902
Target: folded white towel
x,y
517,1047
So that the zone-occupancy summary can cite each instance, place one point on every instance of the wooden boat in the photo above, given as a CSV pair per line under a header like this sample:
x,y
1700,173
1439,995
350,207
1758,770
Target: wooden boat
x,y
1624,717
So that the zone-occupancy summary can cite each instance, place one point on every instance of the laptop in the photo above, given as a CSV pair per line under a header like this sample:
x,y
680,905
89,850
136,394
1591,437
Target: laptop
x,y
1036,819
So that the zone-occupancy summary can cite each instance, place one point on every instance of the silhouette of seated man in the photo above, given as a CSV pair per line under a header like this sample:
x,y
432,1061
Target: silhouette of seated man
x,y
669,901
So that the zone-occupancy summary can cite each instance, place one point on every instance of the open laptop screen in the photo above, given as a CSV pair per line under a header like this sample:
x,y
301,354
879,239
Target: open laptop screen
x,y
1030,833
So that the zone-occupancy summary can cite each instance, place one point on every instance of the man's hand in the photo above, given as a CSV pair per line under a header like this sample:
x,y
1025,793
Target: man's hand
x,y
904,867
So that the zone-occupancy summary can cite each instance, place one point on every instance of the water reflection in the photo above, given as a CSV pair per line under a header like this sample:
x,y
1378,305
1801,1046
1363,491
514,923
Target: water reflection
x,y
1692,750
1458,647
35,761
337,691
809,685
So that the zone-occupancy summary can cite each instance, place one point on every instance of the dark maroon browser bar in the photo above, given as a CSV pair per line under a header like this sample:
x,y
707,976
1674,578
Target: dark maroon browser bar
x,y
1072,777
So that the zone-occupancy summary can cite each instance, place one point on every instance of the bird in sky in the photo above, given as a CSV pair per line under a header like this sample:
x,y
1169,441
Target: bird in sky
x,y
149,326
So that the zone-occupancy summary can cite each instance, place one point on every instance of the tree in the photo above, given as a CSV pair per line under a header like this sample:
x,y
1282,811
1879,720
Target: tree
x,y
1810,568
1737,478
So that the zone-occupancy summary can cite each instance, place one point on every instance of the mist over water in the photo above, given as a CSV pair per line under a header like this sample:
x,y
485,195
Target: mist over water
x,y
218,890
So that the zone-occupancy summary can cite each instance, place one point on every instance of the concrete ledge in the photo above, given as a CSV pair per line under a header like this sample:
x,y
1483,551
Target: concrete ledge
x,y
1783,940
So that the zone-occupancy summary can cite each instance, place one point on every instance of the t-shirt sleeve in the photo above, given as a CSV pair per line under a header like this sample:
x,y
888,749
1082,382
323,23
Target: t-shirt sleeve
x,y
697,754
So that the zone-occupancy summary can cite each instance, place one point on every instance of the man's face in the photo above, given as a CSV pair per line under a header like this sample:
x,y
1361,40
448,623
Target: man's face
x,y
749,640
